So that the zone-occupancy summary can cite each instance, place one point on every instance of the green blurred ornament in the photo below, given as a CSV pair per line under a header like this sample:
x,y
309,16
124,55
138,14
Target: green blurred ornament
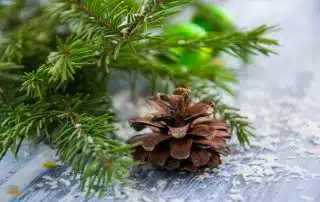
x,y
185,30
195,58
212,17
185,56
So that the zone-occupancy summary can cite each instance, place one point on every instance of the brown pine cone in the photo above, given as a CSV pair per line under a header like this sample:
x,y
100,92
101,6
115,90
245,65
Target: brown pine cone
x,y
183,136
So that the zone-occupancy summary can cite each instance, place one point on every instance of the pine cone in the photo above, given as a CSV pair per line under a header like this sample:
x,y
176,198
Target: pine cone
x,y
183,136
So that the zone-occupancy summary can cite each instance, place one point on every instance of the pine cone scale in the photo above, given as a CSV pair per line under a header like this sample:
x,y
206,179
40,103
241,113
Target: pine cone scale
x,y
152,140
200,158
140,123
217,143
180,148
158,156
137,140
179,132
140,154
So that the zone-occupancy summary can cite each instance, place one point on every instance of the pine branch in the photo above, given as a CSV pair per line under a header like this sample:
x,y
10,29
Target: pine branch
x,y
97,17
72,54
24,121
7,69
36,84
239,124
85,142
237,44
151,14
11,48
95,156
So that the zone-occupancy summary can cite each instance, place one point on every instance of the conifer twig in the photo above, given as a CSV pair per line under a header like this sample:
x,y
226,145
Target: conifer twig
x,y
99,18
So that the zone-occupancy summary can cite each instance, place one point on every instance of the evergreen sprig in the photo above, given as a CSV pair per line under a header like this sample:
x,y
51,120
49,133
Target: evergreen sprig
x,y
98,159
239,124
86,139
55,63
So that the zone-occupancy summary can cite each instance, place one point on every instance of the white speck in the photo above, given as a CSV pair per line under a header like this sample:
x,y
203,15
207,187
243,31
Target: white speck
x,y
153,189
109,198
47,177
39,185
54,186
215,170
176,182
181,42
90,140
52,183
235,182
146,198
224,173
64,181
234,191
117,193
306,198
162,183
214,196
236,197
205,176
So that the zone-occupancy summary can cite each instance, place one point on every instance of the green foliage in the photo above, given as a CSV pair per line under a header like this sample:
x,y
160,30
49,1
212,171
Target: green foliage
x,y
71,55
56,60
239,124
102,159
86,139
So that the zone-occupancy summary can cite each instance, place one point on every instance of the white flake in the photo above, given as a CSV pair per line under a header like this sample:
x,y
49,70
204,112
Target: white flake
x,y
234,191
162,183
236,197
214,196
65,181
306,198
54,186
39,185
146,198
47,177
118,194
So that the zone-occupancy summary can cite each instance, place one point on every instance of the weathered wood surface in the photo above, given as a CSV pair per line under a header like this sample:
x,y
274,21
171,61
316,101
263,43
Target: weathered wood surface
x,y
280,94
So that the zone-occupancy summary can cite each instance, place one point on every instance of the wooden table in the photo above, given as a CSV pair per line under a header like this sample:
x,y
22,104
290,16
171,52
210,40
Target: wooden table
x,y
281,96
